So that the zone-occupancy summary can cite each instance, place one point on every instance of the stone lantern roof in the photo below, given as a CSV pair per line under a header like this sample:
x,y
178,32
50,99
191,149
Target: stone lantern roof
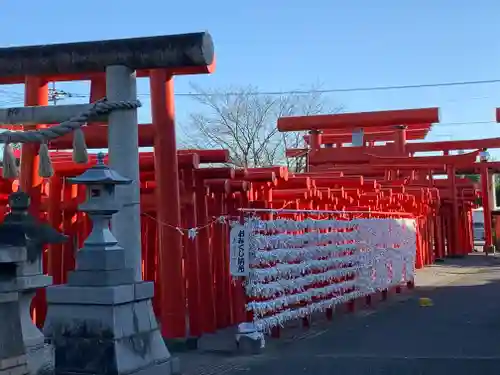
x,y
100,174
20,228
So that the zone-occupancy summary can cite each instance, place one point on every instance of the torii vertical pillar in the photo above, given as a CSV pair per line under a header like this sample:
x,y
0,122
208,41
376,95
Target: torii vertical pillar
x,y
315,145
36,94
454,219
172,290
400,139
493,195
485,188
123,139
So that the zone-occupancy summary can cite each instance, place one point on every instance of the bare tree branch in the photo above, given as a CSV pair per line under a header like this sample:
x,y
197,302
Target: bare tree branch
x,y
244,122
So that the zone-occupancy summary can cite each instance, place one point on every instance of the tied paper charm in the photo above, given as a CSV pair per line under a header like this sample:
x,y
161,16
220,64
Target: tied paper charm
x,y
192,233
302,267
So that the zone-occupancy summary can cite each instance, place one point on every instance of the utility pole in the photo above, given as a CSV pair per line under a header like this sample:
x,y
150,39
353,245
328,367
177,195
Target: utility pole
x,y
55,95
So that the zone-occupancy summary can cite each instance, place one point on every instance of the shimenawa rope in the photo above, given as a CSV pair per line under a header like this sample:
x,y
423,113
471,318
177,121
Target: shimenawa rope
x,y
44,136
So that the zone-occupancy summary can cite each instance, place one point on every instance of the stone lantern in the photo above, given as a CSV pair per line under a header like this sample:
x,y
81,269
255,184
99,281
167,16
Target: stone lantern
x,y
102,321
24,234
12,351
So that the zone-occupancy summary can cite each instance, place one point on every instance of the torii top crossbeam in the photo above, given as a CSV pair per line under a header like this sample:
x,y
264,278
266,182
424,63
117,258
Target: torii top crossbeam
x,y
411,148
190,53
349,121
382,128
372,135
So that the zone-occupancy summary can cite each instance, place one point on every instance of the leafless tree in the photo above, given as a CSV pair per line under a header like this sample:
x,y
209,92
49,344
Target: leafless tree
x,y
243,121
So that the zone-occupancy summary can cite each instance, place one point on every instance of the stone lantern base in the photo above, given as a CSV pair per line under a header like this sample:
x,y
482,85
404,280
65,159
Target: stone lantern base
x,y
39,354
106,330
12,352
13,359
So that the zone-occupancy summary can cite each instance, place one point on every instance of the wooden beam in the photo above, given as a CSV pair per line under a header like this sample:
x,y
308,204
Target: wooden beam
x,y
359,120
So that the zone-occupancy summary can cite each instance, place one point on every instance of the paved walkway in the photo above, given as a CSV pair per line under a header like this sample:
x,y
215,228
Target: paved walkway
x,y
460,334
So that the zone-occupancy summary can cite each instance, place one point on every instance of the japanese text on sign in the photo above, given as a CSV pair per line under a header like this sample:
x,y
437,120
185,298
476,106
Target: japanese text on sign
x,y
239,251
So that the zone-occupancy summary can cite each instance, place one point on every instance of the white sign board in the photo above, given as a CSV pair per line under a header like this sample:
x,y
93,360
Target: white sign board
x,y
239,262
358,138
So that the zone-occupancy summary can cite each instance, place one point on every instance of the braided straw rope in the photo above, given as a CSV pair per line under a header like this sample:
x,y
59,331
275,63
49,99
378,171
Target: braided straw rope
x,y
43,136
101,107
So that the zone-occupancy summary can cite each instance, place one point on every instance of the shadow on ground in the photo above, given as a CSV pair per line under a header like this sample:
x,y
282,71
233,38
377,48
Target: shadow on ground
x,y
457,335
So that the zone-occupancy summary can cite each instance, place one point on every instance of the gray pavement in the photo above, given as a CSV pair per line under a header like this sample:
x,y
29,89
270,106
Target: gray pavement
x,y
458,335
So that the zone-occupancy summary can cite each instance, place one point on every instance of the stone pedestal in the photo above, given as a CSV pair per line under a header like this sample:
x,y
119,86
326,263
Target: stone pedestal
x,y
12,351
106,330
40,355
21,273
28,278
102,321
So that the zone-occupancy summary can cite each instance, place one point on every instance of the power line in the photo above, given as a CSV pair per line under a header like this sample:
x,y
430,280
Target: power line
x,y
439,124
324,91
60,94
347,89
436,126
315,91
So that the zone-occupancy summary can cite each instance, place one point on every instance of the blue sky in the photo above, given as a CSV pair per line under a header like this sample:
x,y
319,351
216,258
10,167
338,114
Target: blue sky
x,y
285,45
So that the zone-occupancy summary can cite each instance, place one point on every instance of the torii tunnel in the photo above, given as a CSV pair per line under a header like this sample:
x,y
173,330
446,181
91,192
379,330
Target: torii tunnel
x,y
195,291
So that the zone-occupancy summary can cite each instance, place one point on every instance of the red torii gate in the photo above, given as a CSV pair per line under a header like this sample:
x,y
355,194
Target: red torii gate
x,y
40,70
381,122
363,120
420,163
336,137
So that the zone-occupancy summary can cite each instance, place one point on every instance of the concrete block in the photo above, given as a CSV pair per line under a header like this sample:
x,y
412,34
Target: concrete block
x,y
32,337
92,260
19,370
151,315
142,312
29,268
85,321
249,346
124,316
12,362
118,321
13,254
40,360
140,351
25,283
89,295
7,286
9,297
249,340
34,282
144,290
99,353
101,278
11,339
